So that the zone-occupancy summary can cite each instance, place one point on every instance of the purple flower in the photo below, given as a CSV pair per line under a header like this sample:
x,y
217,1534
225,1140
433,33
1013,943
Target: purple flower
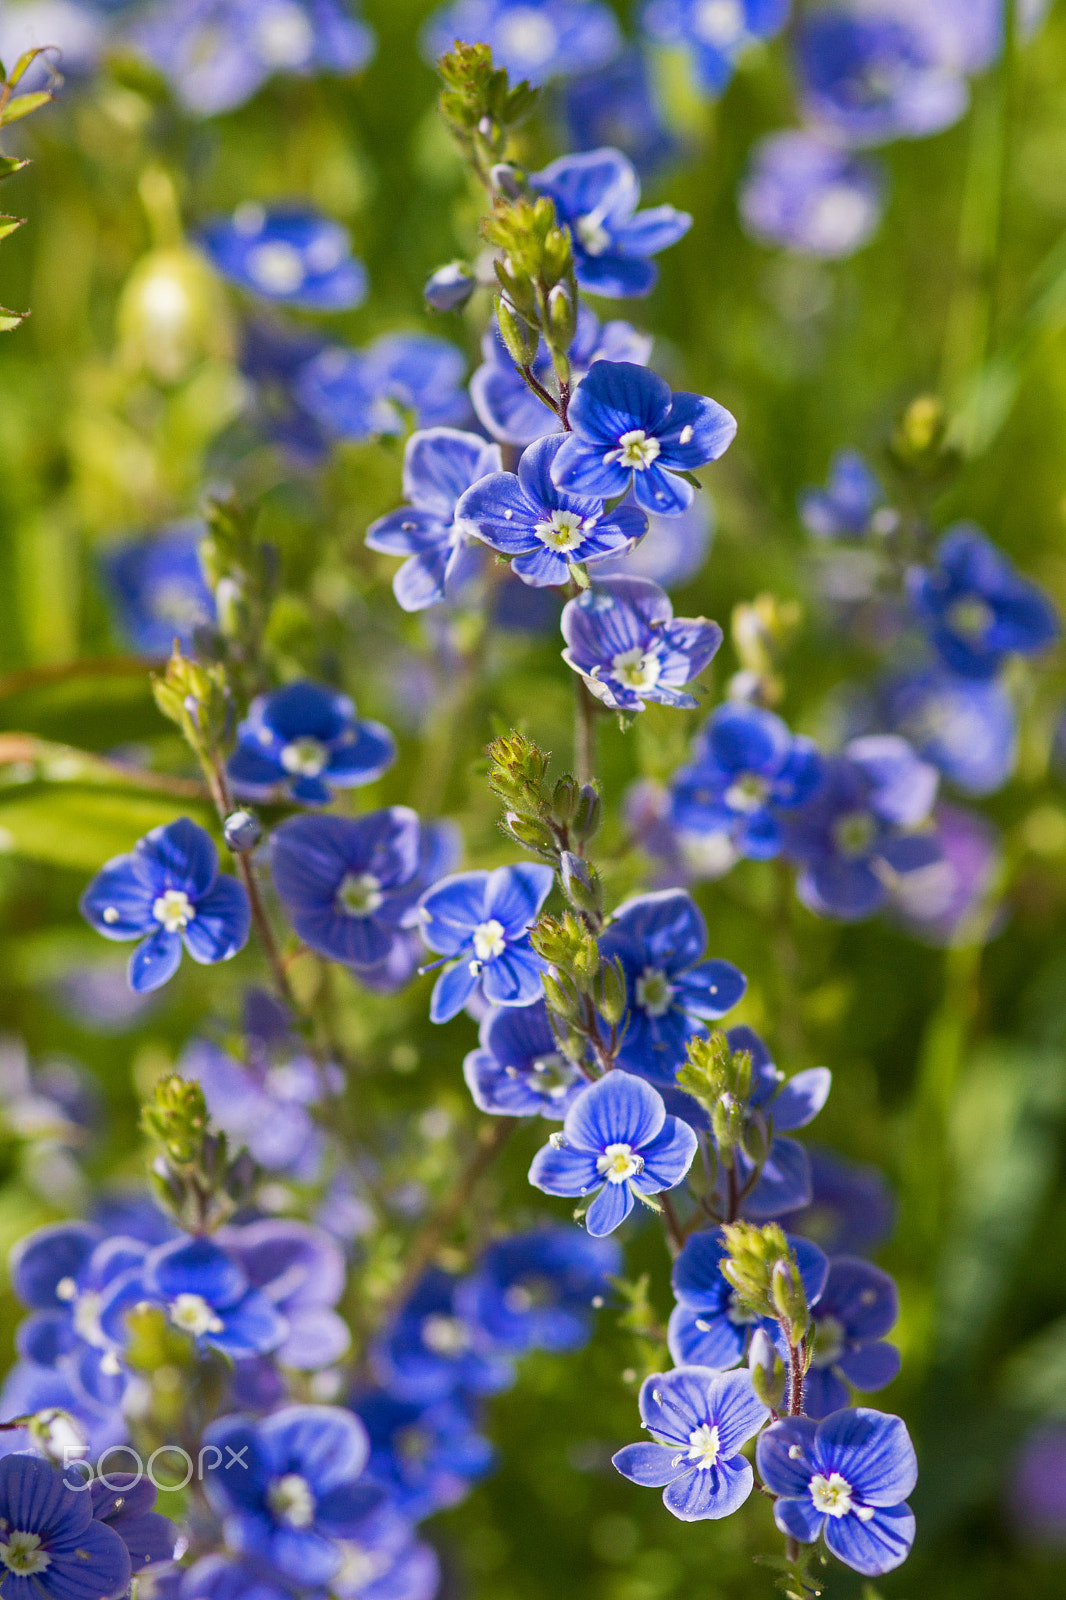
x,y
707,1327
847,1478
439,465
158,589
617,1140
845,508
1037,1488
52,1545
168,892
596,195
518,1069
308,739
857,1307
947,903
262,1104
698,1419
290,255
805,193
967,727
536,1291
360,394
714,32
301,1272
479,921
533,39
623,638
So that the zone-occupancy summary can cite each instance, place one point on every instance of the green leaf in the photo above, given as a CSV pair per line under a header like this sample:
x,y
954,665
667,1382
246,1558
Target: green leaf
x,y
11,164
9,224
22,106
25,62
11,319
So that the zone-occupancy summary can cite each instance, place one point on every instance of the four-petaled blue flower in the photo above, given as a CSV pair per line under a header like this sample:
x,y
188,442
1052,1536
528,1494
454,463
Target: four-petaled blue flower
x,y
869,79
596,195
158,588
518,1069
707,1326
308,739
976,608
168,892
532,39
483,919
545,531
292,256
670,989
699,1419
616,1140
536,1291
966,727
845,508
439,465
715,32
805,193
855,1310
433,1348
747,767
426,1456
847,1477
359,394
51,1545
630,429
623,638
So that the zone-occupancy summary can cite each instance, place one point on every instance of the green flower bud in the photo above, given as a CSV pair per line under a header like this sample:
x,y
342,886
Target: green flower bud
x,y
520,339
612,1000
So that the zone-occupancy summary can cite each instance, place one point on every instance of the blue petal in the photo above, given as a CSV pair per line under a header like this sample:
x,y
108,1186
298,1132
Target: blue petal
x,y
699,430
823,1392
861,1297
663,930
872,1451
667,1157
801,1098
711,989
451,992
452,909
155,961
784,1183
564,1171
651,1465
513,978
873,1547
735,1409
329,1444
798,1518
514,895
618,1109
194,1266
440,464
702,1338
785,1456
118,902
712,1492
871,1366
610,1208
179,855
48,1255
222,922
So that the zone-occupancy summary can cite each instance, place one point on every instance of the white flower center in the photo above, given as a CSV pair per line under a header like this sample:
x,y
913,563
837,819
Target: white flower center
x,y
564,531
551,1076
636,668
285,37
592,233
172,602
747,793
971,617
276,267
831,1495
305,758
192,1314
619,1162
829,1339
445,1336
87,1318
359,894
838,216
637,449
489,940
719,23
291,1500
22,1554
853,833
655,992
703,1445
173,909
526,35
359,1567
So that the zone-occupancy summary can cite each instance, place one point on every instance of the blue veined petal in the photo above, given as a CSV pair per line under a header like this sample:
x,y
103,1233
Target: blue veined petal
x,y
155,961
783,1472
360,942
452,909
34,1498
420,581
871,1366
872,1451
604,181
251,1327
179,855
709,1493
696,1277
873,1547
700,1337
665,930
735,1409
651,1465
616,397
565,1171
666,1158
590,467
813,1266
699,430
451,991
609,1209
662,492
84,1564
618,1109
543,568
742,738
506,408
801,1097
515,894
710,989
118,902
823,1392
798,1517
513,978
617,276
222,922
409,532
497,511
674,1404
235,1491
784,1183
440,464
253,772
329,1442
654,229
688,644
194,1266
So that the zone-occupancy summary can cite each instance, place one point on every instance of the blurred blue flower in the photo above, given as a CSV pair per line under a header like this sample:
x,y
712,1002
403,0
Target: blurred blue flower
x,y
433,1348
698,1419
673,550
53,1546
168,892
857,1307
288,254
77,31
852,1209
301,1272
975,607
306,738
480,922
439,465
707,1326
947,903
966,727
262,1105
425,1456
450,287
272,357
533,39
225,1577
358,394
623,638
846,1477
806,194
30,1390
618,1141
714,32
383,1560
617,106
596,195
204,1293
518,1069
440,846
845,507
969,33
158,590
124,1504
537,1291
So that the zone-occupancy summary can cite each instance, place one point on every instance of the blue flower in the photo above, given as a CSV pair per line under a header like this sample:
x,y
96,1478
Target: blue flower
x,y
858,832
301,1489
953,901
383,1560
439,465
707,1327
846,506
426,1456
28,1390
596,195
616,1140
618,106
450,287
671,991
349,883
483,918
698,1419
873,78
360,394
966,727
52,1546
124,1504
518,1069
851,1210
308,739
848,1478
301,1272
857,1307
505,404
203,1292
805,193
440,847
536,1291
158,588
262,1104
784,1181
715,32
289,255
272,357
747,768
433,1348
217,53
630,430
975,607
168,892
543,529
673,550
533,39
623,638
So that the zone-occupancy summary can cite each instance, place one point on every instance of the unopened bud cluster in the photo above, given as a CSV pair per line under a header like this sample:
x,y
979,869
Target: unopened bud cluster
x,y
193,1175
761,1267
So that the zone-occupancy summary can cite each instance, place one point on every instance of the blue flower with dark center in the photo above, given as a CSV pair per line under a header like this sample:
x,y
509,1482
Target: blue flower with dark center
x,y
158,588
847,1478
544,530
505,404
623,638
859,831
124,1504
533,39
349,883
631,431
439,465
308,739
427,1457
360,394
596,195
671,990
857,1307
302,1488
50,1543
714,32
301,1271
518,1069
292,256
707,1326
480,922
617,1144
806,194
976,609
966,727
747,767
698,1420
537,1291
433,1348
168,892
845,508
618,106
